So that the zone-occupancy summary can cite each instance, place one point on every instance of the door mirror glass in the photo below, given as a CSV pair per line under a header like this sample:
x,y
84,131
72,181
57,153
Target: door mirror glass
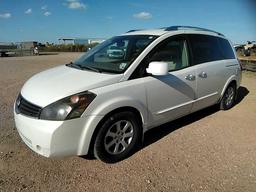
x,y
158,68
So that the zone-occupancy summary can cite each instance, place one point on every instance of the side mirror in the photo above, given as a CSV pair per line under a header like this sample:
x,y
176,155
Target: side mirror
x,y
158,68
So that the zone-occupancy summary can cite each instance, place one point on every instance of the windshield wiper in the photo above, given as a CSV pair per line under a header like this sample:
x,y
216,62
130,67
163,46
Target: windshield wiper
x,y
90,68
71,64
82,67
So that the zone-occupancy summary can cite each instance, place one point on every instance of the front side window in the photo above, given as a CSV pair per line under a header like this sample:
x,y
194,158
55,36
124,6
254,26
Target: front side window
x,y
174,52
116,54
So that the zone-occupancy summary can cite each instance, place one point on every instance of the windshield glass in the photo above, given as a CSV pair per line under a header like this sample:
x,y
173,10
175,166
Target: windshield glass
x,y
116,54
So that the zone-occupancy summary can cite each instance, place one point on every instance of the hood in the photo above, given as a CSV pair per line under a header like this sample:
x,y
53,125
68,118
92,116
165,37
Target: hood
x,y
59,82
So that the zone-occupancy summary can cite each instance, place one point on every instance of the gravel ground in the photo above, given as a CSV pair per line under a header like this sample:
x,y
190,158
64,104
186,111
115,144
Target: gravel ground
x,y
210,150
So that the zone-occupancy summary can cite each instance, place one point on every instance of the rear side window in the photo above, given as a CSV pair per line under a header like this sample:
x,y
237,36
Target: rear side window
x,y
226,50
205,48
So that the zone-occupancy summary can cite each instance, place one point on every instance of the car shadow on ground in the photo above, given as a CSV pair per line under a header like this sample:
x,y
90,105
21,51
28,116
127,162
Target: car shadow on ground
x,y
48,53
242,93
159,132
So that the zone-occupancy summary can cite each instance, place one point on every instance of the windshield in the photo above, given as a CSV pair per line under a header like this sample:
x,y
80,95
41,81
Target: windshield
x,y
114,55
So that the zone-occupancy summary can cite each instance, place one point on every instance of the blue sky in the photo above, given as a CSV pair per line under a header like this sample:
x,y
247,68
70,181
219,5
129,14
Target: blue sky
x,y
48,20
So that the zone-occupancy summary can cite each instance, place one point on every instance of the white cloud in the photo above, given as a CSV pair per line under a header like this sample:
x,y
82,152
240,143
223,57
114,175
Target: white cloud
x,y
47,13
44,7
143,15
75,4
29,11
5,15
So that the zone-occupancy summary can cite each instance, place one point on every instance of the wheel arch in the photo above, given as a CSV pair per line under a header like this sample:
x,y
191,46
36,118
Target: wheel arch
x,y
134,110
231,80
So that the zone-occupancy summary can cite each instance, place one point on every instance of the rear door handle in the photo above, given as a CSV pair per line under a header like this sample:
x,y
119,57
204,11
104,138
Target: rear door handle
x,y
203,74
190,77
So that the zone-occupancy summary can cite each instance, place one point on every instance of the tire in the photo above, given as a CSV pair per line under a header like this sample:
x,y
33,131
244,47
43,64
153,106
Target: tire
x,y
117,138
229,98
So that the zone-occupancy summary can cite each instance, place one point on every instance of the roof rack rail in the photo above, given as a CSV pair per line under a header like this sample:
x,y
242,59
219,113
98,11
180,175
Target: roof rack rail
x,y
133,30
174,28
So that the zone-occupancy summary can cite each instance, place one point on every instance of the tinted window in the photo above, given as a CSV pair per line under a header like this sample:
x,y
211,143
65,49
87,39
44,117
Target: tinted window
x,y
226,50
205,48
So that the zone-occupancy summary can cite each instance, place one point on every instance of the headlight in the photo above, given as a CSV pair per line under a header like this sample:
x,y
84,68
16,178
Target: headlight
x,y
68,108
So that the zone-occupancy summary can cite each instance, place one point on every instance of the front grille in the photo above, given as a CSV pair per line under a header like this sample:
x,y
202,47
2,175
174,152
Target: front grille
x,y
24,107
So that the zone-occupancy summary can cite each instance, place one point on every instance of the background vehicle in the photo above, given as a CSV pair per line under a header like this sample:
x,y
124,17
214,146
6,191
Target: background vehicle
x,y
104,105
6,49
246,49
117,50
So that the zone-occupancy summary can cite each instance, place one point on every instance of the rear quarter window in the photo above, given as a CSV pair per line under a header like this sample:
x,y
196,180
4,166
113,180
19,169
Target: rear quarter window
x,y
226,49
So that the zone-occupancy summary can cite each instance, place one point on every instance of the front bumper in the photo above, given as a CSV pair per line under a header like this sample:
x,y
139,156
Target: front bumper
x,y
56,138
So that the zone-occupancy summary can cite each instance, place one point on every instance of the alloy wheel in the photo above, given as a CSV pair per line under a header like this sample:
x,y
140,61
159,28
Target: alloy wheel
x,y
229,96
118,137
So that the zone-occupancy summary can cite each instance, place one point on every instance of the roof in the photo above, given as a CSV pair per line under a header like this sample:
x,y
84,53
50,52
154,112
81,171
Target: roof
x,y
78,38
157,32
173,29
67,39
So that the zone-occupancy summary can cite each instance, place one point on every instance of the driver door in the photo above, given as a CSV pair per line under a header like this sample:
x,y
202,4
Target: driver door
x,y
170,96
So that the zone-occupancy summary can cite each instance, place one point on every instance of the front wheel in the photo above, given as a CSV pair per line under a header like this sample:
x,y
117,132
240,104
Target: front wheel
x,y
117,138
228,99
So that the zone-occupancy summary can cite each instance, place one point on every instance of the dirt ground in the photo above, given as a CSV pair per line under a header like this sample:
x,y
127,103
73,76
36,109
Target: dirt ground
x,y
210,150
250,58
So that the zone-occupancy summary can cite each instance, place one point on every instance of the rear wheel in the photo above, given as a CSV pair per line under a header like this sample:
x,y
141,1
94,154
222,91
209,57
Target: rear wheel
x,y
118,137
228,99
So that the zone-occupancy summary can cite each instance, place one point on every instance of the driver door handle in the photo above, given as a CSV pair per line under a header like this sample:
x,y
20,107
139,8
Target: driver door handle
x,y
190,77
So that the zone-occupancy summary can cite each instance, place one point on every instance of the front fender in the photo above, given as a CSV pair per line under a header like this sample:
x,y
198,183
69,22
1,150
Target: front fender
x,y
100,111
109,98
109,105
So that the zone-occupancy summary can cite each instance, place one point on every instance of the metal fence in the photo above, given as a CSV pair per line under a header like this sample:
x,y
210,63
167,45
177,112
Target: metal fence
x,y
249,65
23,52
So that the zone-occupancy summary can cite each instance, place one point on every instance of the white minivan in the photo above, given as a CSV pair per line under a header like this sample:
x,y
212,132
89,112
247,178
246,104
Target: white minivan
x,y
105,101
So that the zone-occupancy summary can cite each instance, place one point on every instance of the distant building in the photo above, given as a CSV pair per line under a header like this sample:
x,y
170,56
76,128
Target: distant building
x,y
28,44
80,41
